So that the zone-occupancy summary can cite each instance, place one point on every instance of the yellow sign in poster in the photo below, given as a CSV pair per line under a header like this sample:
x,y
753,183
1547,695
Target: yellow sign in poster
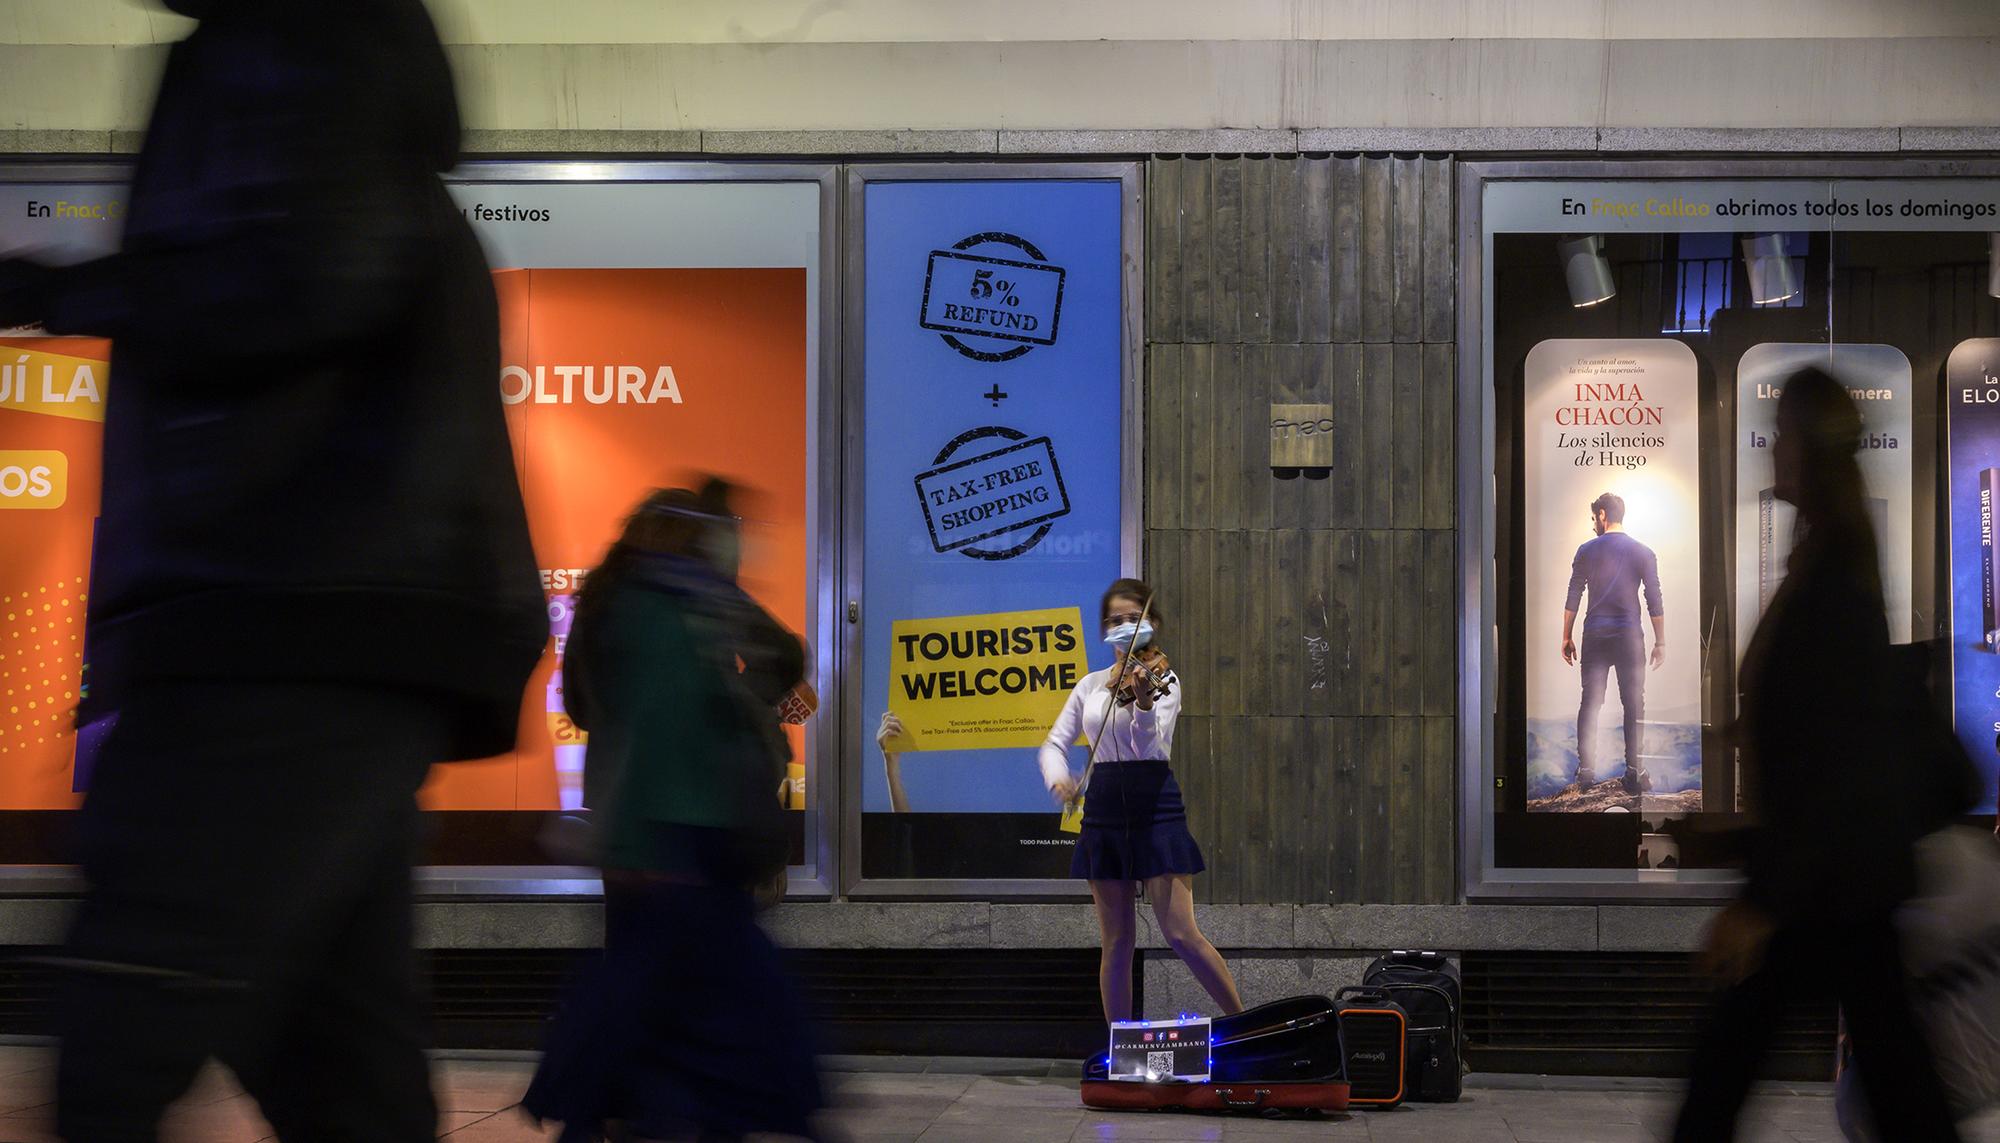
x,y
982,682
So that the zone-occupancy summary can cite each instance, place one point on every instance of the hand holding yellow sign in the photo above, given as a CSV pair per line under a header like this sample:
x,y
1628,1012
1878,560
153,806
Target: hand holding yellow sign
x,y
980,682
1072,817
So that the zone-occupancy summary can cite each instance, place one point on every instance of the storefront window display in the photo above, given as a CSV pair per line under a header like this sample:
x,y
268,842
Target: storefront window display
x,y
658,322
1630,339
992,333
51,424
973,483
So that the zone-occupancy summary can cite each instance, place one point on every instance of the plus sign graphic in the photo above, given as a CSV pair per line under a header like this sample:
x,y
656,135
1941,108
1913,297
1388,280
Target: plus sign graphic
x,y
995,395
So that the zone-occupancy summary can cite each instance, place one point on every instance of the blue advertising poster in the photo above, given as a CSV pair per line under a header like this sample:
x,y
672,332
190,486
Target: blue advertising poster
x,y
1972,402
992,456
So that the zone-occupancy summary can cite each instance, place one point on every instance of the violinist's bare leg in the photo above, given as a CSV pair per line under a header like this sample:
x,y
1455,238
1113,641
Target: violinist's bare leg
x,y
1172,895
1119,928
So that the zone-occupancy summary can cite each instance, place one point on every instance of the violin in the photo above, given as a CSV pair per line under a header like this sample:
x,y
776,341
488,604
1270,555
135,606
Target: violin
x,y
1125,686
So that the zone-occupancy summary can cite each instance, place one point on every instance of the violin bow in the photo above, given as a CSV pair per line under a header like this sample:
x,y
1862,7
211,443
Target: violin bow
x,y
1124,660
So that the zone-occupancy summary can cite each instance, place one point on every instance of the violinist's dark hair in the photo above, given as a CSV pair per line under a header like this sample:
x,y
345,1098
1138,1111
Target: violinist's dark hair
x,y
1137,589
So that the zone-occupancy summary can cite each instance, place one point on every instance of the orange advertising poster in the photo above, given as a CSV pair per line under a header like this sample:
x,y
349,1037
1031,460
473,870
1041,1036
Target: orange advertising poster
x,y
51,427
617,382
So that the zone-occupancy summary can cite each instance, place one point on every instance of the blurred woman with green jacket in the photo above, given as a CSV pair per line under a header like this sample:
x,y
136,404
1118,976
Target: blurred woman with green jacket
x,y
687,1024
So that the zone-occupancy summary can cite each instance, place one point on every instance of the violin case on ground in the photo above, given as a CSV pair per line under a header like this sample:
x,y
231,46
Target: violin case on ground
x,y
1282,1056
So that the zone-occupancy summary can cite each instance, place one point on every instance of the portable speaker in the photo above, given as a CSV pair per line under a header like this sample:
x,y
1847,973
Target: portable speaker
x,y
1373,1031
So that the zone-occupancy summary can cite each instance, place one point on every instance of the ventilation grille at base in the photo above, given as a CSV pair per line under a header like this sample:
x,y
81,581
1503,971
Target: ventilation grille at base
x,y
1613,1014
1028,1002
1552,1013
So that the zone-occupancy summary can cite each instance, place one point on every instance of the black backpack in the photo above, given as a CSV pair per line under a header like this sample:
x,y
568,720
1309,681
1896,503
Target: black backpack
x,y
1425,985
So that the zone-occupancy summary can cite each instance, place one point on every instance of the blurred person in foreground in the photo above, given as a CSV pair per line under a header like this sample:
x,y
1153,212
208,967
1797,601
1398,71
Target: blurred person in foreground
x,y
687,1026
312,577
1832,734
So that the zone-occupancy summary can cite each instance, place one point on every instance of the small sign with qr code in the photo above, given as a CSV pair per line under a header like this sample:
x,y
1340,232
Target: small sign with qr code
x,y
1161,1051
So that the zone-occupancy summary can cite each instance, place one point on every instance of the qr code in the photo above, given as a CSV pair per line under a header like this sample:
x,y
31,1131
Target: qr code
x,y
1159,1064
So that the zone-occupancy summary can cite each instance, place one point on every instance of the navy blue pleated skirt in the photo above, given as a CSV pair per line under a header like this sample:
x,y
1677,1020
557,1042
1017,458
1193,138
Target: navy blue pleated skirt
x,y
1134,825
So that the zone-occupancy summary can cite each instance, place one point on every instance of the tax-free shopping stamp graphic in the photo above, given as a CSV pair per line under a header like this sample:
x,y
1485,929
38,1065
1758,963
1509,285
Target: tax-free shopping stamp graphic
x,y
980,296
994,491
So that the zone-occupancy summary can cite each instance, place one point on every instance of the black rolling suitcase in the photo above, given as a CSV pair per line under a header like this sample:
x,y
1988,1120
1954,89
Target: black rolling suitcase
x,y
1282,1056
1425,985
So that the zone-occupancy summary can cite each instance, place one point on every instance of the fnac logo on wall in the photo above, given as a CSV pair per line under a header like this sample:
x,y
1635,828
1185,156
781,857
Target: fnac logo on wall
x,y
33,478
993,296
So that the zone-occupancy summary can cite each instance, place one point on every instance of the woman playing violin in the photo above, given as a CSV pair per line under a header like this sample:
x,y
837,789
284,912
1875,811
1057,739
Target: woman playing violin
x,y
1134,827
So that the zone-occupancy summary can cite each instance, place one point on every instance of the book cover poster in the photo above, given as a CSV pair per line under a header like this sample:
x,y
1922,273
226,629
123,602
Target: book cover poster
x,y
1878,377
1612,561
1972,465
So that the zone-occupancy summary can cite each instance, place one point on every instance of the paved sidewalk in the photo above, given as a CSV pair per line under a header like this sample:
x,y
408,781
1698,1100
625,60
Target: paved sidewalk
x,y
900,1100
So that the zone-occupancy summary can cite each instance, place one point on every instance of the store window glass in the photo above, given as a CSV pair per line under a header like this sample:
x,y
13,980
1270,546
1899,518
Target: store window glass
x,y
1635,337
52,392
993,343
652,332
658,323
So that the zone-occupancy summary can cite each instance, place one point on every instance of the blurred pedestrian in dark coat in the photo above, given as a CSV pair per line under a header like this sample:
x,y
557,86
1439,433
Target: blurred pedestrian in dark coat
x,y
312,577
1839,781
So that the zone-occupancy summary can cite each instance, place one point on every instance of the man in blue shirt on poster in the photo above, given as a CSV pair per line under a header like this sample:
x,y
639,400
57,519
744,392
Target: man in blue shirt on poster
x,y
1616,569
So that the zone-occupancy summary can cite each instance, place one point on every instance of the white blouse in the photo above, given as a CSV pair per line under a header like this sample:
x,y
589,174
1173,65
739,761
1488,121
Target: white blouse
x,y
1131,735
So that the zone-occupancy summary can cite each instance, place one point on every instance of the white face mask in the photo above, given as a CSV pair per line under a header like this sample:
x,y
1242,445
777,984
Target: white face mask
x,y
1132,635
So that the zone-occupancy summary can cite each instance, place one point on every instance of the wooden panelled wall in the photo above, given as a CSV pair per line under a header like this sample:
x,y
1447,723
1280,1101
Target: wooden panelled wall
x,y
1312,616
